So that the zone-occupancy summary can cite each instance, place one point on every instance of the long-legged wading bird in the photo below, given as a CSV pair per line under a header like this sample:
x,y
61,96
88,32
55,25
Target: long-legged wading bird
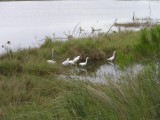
x,y
66,62
113,57
71,62
84,63
51,61
76,59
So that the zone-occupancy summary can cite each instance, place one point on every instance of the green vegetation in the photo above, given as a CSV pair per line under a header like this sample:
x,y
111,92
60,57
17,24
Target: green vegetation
x,y
149,42
31,90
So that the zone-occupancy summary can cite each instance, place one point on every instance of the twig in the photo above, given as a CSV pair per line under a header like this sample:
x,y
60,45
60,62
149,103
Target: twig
x,y
74,31
52,53
149,10
133,18
111,27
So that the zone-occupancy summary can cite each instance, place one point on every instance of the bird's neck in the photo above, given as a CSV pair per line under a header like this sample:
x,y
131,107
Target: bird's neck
x,y
86,60
113,54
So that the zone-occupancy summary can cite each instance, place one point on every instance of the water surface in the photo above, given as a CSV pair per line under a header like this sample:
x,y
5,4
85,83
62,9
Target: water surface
x,y
25,22
105,73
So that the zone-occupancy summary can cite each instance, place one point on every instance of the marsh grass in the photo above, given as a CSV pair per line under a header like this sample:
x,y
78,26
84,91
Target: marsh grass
x,y
149,42
29,97
30,89
130,46
33,60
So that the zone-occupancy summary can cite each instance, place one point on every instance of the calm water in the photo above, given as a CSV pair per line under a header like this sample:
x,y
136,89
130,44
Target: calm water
x,y
24,23
108,71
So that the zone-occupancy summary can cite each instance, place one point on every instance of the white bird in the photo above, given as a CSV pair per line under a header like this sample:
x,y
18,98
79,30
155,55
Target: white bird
x,y
113,57
76,59
71,62
84,63
51,61
66,62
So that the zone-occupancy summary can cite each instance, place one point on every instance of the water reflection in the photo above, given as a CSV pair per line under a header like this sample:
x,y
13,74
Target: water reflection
x,y
109,71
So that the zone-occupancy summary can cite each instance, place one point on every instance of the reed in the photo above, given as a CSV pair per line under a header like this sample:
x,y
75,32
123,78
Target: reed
x,y
29,97
31,89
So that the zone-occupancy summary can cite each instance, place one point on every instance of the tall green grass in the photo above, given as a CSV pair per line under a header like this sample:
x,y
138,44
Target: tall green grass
x,y
149,42
30,89
34,60
31,98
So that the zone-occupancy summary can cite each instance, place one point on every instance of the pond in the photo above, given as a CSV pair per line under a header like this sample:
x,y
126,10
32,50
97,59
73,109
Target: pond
x,y
104,73
24,23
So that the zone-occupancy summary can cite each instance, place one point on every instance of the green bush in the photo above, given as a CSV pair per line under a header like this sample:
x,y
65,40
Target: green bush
x,y
149,44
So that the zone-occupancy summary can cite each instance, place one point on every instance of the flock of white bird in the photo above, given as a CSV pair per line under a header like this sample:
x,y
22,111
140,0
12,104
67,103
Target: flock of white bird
x,y
74,61
68,61
71,62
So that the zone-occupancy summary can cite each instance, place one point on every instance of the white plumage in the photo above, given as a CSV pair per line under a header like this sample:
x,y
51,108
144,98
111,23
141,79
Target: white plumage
x,y
51,61
71,62
84,63
66,62
76,59
113,57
